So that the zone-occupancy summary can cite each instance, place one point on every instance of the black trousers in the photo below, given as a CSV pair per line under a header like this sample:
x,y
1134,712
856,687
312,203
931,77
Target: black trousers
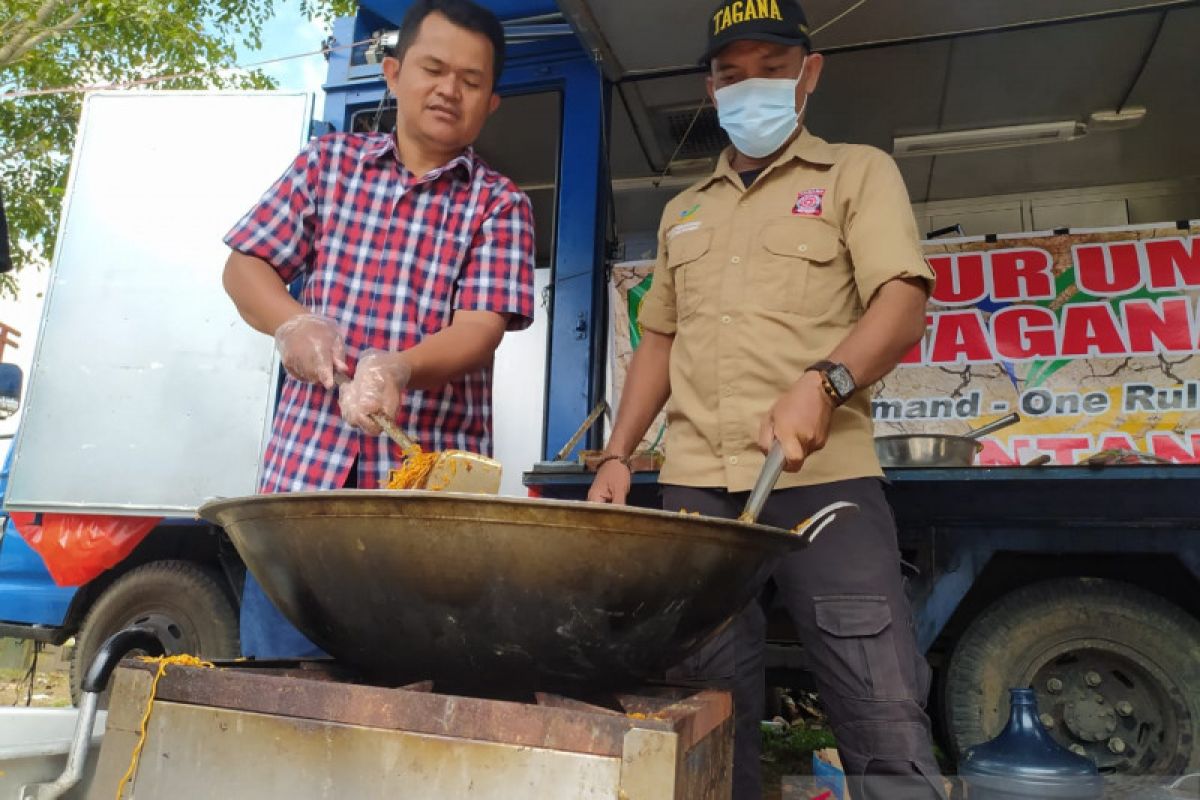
x,y
845,595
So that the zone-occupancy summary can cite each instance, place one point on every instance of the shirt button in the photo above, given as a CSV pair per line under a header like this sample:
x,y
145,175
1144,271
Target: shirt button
x,y
736,260
726,319
733,460
727,390
803,248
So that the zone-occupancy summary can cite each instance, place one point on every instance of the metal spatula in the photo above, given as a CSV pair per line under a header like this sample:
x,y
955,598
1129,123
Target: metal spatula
x,y
765,484
451,470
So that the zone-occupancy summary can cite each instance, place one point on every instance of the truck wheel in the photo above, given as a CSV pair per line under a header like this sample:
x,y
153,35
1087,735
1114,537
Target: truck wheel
x,y
1116,670
184,603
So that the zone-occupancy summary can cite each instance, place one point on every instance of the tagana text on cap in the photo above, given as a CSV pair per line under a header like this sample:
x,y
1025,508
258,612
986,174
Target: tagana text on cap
x,y
779,21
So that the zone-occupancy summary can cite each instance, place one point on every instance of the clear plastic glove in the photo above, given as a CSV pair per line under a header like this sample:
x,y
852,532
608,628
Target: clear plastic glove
x,y
379,381
312,347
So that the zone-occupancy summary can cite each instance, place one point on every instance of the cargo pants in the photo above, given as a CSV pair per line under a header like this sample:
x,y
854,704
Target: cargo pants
x,y
845,596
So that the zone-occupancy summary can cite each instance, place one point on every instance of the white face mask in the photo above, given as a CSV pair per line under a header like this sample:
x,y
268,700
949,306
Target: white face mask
x,y
759,114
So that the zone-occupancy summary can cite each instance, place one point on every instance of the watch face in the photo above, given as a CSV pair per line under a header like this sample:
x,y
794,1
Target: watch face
x,y
839,376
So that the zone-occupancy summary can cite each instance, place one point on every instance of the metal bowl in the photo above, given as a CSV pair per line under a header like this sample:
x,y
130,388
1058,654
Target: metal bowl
x,y
926,450
496,592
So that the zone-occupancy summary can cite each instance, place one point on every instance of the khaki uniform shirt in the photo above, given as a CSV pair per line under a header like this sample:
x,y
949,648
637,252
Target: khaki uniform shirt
x,y
757,284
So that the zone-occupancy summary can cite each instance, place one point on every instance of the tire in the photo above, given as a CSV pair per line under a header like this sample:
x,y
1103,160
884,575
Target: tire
x,y
184,603
1116,670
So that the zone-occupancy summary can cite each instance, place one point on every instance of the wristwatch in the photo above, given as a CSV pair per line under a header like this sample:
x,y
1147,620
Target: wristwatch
x,y
838,382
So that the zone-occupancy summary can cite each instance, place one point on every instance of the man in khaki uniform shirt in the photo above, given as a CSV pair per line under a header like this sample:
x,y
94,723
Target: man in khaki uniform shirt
x,y
788,282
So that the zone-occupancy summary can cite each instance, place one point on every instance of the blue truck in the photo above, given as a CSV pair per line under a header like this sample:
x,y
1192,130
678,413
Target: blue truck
x,y
1082,581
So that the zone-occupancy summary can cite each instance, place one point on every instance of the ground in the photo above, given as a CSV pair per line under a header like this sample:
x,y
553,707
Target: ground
x,y
789,752
51,687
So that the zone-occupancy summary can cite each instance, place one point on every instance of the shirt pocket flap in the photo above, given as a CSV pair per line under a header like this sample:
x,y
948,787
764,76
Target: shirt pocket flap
x,y
810,240
687,247
853,617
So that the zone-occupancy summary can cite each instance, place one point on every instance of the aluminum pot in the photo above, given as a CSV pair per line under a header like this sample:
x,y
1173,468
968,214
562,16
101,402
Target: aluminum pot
x,y
936,449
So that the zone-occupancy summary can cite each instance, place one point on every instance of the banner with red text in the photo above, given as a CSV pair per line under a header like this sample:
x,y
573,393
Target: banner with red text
x,y
1093,337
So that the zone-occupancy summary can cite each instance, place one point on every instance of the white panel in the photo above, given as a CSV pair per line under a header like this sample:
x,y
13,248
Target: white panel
x,y
148,393
519,395
1093,214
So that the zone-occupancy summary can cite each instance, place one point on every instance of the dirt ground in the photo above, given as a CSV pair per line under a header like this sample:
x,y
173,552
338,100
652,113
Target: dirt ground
x,y
51,683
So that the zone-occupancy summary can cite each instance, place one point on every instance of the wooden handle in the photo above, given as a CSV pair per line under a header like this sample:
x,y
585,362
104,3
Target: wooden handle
x,y
407,445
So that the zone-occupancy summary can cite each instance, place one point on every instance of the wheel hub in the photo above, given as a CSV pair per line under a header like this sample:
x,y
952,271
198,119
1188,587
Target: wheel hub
x,y
1090,718
166,628
1106,706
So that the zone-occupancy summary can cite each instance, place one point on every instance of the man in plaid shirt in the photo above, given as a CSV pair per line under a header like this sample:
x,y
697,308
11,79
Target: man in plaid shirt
x,y
414,258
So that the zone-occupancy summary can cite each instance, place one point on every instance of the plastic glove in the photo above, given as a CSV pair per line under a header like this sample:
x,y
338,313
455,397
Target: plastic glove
x,y
379,381
313,348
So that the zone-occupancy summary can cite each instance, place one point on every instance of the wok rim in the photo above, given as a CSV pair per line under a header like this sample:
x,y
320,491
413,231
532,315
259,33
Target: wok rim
x,y
242,508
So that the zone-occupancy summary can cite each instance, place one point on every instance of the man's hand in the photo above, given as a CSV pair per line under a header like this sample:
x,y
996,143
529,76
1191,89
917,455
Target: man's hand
x,y
611,484
800,420
379,382
312,347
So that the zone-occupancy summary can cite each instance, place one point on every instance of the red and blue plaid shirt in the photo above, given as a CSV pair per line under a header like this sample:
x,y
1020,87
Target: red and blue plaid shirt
x,y
390,257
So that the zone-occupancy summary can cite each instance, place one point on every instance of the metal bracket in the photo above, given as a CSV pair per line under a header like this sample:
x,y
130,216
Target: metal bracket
x,y
383,45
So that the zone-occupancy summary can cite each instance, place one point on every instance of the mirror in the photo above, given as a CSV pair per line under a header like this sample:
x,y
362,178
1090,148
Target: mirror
x,y
10,389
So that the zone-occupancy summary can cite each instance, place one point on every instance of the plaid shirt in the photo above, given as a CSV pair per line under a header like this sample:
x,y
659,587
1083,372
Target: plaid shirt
x,y
390,257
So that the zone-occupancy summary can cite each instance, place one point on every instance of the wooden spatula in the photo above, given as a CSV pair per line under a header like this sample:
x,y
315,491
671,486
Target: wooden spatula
x,y
442,471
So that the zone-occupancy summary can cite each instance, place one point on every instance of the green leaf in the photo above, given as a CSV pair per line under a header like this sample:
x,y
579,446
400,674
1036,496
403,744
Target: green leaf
x,y
113,41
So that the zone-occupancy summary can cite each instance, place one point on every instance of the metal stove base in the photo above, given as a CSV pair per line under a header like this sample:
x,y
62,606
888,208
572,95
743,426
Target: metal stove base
x,y
237,732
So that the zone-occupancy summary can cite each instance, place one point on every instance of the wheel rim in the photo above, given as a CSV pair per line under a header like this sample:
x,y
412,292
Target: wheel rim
x,y
1112,704
169,630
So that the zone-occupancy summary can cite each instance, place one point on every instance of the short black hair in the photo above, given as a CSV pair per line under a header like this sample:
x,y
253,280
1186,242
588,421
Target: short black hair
x,y
464,14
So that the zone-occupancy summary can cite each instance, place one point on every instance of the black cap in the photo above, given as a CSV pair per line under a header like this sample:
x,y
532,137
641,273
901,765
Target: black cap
x,y
779,21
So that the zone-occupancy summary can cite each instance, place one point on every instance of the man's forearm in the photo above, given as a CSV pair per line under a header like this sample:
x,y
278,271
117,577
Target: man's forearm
x,y
259,293
469,343
888,329
647,387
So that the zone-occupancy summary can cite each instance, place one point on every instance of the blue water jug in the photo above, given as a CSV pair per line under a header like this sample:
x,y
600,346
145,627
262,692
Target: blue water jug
x,y
1024,762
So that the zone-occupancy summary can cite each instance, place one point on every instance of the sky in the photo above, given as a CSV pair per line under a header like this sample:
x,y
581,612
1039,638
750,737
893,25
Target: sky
x,y
287,33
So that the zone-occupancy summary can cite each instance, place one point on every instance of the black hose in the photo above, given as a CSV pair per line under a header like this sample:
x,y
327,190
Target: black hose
x,y
116,647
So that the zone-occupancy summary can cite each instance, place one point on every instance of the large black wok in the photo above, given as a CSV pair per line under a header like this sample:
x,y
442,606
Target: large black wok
x,y
494,592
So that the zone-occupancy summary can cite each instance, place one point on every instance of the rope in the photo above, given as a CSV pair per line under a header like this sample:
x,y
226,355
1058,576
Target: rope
x,y
181,660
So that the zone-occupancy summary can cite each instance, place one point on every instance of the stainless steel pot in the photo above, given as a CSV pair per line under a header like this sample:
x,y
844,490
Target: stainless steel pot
x,y
496,593
935,449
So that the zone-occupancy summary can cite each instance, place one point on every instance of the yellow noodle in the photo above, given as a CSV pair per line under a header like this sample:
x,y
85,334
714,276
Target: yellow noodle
x,y
412,472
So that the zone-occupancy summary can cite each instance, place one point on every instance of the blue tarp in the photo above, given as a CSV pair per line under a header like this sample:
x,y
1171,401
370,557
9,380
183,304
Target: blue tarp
x,y
393,10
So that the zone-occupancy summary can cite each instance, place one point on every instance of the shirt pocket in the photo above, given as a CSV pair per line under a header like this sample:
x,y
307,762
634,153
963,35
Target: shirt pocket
x,y
794,265
690,271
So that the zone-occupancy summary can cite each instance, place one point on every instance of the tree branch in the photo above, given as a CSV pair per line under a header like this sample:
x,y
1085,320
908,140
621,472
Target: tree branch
x,y
32,33
57,30
43,15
